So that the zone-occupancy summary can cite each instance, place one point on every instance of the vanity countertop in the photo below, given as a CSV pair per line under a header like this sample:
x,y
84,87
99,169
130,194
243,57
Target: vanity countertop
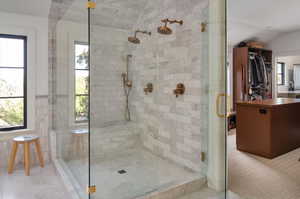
x,y
270,102
289,92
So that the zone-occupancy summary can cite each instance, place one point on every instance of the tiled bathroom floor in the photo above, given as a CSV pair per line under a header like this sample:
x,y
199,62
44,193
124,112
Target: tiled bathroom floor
x,y
145,173
255,177
43,183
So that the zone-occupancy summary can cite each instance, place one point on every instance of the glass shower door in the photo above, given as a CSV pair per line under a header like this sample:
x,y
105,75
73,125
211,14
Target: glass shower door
x,y
68,34
157,99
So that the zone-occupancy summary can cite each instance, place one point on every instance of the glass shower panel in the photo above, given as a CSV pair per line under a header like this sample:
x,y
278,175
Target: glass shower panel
x,y
70,91
157,105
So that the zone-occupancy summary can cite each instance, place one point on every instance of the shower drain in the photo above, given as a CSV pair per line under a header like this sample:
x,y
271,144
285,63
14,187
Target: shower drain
x,y
122,171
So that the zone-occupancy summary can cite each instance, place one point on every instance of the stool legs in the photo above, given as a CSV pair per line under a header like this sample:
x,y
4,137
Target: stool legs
x,y
27,158
26,155
39,152
12,158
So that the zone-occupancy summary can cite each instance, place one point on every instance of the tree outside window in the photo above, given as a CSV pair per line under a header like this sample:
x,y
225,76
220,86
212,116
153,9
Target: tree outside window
x,y
81,82
12,82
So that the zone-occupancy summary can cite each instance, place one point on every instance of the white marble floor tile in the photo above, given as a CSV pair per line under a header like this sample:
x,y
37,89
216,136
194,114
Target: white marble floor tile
x,y
43,183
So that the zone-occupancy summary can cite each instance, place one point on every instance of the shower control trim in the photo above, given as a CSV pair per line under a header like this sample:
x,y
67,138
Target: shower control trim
x,y
180,89
148,88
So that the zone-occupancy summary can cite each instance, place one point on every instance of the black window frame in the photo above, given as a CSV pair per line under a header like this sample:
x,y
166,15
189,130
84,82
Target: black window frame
x,y
282,74
24,38
80,94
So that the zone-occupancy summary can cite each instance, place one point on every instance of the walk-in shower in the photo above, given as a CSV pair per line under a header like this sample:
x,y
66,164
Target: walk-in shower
x,y
152,130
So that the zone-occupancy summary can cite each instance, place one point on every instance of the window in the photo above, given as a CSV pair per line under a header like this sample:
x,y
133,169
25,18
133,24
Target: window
x,y
280,73
81,82
13,60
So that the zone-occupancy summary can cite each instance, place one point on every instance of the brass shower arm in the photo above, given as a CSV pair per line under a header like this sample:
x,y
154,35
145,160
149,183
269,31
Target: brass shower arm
x,y
142,31
166,21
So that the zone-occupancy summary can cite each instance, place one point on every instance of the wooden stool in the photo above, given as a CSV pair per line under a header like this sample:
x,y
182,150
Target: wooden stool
x,y
78,146
26,140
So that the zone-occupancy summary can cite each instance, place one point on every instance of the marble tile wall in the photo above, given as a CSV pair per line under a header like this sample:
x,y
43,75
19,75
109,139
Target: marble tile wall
x,y
57,104
175,128
57,10
108,140
108,62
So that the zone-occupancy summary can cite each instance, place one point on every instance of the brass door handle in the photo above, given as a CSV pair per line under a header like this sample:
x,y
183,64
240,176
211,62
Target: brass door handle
x,y
218,100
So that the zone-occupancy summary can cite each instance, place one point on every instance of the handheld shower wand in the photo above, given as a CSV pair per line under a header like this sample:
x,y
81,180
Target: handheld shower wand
x,y
127,85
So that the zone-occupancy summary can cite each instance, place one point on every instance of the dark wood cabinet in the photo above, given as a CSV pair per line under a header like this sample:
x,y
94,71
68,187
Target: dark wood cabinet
x,y
241,85
268,128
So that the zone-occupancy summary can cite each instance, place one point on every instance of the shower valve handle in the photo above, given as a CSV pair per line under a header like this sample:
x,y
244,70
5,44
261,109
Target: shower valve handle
x,y
148,88
180,90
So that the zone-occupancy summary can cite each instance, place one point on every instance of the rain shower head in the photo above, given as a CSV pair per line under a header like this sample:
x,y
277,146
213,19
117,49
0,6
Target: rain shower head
x,y
165,30
136,40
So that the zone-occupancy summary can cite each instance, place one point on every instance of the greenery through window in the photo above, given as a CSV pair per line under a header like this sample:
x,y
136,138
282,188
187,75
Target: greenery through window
x,y
280,73
12,82
81,82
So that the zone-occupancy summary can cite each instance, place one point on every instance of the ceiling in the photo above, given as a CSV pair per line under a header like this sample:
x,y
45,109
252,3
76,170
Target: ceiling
x,y
122,14
27,7
261,19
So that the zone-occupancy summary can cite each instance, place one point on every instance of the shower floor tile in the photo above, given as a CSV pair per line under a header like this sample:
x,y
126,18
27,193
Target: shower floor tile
x,y
130,174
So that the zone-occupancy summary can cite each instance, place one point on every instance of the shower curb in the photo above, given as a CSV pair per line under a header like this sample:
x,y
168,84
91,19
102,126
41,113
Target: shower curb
x,y
177,190
71,189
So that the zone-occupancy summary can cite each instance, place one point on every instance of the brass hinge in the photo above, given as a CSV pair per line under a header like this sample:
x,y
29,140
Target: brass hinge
x,y
91,4
91,189
203,156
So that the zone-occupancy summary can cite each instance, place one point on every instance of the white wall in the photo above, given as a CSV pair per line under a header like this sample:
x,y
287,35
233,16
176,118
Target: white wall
x,y
36,30
287,44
